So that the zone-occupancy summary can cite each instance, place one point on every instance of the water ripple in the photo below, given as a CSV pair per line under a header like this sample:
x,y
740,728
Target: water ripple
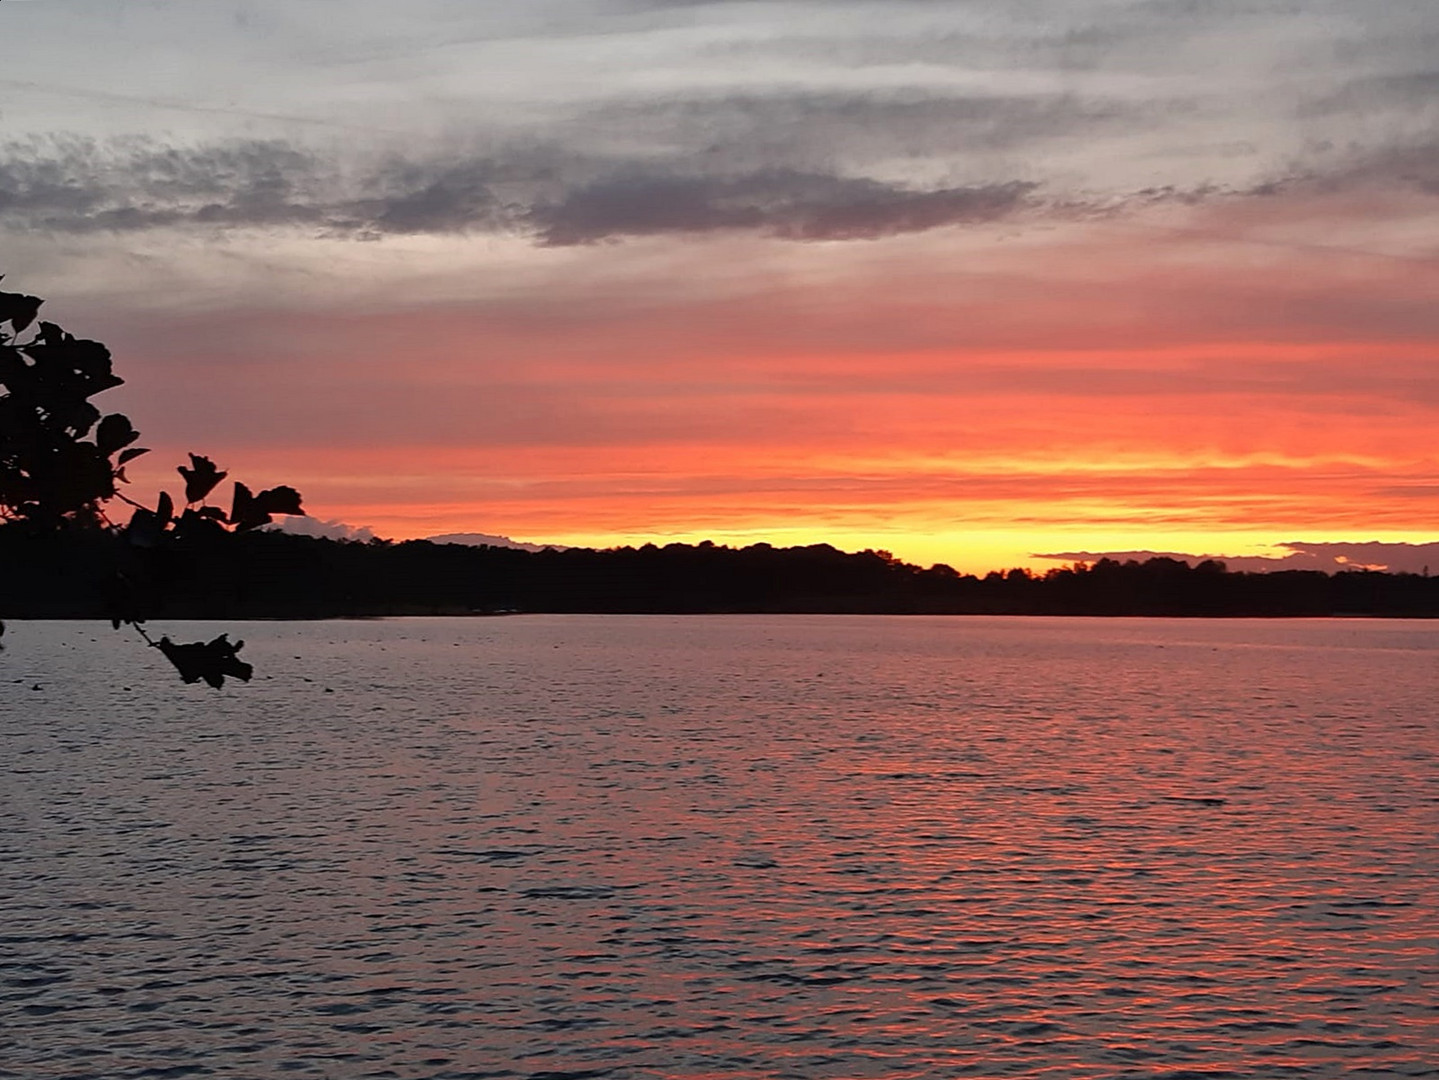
x,y
726,847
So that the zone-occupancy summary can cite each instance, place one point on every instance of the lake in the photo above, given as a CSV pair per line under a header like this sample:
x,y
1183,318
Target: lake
x,y
722,847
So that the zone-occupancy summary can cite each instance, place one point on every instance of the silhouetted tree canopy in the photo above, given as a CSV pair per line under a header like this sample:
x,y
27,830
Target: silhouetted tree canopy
x,y
62,463
59,458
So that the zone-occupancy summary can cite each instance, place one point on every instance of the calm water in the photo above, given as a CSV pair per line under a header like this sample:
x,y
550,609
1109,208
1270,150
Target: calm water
x,y
566,847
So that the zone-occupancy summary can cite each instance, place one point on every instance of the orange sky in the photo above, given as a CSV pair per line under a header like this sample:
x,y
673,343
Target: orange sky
x,y
969,400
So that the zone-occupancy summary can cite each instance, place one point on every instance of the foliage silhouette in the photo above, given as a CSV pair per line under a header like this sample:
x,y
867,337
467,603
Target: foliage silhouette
x,y
52,470
62,462
209,660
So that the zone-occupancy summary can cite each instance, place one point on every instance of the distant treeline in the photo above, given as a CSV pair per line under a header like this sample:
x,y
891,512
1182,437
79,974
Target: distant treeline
x,y
275,575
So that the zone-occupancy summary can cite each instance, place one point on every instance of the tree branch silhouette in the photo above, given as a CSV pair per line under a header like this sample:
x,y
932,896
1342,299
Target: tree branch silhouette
x,y
62,462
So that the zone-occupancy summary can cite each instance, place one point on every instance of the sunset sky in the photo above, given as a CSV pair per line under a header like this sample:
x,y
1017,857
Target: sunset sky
x,y
968,280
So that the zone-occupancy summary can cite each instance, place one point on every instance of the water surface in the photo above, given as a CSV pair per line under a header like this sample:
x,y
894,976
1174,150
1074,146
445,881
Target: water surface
x,y
633,847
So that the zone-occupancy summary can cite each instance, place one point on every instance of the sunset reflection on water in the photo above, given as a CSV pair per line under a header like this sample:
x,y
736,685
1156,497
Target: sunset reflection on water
x,y
727,847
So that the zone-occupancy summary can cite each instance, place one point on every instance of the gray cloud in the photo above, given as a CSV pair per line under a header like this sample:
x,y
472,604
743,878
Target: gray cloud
x,y
1415,165
76,185
813,129
802,119
799,164
409,197
1373,92
559,199
796,206
1257,68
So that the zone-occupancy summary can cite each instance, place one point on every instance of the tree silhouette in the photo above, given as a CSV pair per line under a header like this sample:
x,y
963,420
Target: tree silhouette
x,y
62,462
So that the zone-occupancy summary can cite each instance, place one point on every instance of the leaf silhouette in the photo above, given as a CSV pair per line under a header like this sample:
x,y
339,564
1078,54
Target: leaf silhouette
x,y
49,334
144,529
122,601
114,432
206,521
132,453
208,660
243,513
200,478
18,309
249,511
280,500
14,372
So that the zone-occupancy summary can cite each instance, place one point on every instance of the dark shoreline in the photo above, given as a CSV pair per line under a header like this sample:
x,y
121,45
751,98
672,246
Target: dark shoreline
x,y
279,576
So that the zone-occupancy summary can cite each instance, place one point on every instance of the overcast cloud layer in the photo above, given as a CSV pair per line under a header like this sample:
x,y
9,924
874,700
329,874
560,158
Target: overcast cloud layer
x,y
574,122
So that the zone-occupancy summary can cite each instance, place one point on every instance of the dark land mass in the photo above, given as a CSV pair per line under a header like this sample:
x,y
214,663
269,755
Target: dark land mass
x,y
274,575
